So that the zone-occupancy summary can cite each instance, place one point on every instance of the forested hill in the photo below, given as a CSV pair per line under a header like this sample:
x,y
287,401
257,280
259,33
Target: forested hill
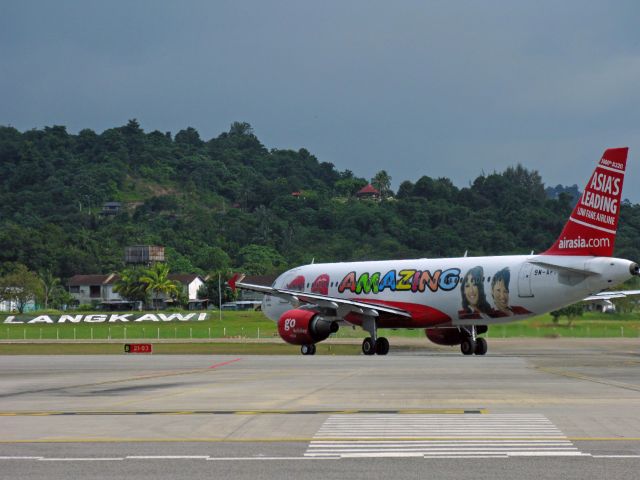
x,y
227,203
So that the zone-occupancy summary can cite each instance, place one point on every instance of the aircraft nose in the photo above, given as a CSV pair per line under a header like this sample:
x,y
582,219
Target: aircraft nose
x,y
634,269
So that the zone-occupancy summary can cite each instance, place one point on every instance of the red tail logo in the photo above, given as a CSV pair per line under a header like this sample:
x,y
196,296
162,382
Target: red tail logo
x,y
591,229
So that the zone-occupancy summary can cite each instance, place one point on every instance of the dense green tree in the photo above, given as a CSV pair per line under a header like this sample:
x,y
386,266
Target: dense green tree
x,y
216,288
227,202
20,286
570,311
131,286
259,260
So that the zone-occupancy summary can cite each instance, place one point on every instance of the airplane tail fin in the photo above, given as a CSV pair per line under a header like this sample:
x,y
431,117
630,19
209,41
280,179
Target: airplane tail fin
x,y
237,277
592,226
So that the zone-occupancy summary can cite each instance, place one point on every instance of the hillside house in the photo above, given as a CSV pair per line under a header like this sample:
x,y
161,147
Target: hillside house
x,y
111,208
368,191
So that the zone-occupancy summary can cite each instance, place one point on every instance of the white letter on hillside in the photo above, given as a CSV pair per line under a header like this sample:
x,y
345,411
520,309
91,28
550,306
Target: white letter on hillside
x,y
176,316
146,318
41,319
10,320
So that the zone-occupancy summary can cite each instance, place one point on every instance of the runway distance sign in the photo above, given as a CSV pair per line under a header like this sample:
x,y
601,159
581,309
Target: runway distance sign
x,y
138,348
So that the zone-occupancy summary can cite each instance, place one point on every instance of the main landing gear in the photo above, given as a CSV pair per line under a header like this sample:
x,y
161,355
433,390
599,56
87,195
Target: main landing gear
x,y
380,346
373,344
472,344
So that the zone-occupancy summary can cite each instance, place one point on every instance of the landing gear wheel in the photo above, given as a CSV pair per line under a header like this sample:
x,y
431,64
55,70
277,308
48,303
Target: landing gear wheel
x,y
481,346
382,346
468,346
308,349
368,346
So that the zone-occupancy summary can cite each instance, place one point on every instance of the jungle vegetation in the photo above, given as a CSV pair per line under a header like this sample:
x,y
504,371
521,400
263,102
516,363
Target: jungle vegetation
x,y
231,203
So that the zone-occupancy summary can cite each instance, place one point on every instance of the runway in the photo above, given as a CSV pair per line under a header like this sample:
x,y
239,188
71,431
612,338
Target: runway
x,y
545,408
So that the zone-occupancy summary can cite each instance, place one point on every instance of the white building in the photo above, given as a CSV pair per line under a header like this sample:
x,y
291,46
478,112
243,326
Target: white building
x,y
12,306
98,289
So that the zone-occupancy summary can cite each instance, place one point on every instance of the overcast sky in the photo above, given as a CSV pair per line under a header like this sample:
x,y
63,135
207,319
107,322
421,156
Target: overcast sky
x,y
438,88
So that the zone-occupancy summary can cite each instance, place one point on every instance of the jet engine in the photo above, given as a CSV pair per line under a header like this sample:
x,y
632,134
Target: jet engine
x,y
305,327
445,336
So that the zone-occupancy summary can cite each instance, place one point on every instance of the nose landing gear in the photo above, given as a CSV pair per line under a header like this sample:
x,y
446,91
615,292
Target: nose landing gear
x,y
308,349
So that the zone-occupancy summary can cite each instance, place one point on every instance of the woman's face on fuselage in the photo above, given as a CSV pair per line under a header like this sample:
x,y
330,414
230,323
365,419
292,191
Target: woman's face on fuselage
x,y
500,295
471,291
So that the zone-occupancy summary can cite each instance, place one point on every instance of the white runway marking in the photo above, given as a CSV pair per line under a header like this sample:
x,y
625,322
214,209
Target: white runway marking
x,y
440,436
81,459
168,457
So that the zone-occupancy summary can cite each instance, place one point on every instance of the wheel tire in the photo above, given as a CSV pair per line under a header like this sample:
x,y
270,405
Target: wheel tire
x,y
481,346
313,349
305,349
468,346
382,346
368,346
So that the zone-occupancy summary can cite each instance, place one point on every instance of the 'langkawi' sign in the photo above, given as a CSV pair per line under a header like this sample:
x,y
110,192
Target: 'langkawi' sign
x,y
109,318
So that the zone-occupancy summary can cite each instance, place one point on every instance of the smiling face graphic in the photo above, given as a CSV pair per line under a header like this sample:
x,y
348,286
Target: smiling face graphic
x,y
471,292
500,296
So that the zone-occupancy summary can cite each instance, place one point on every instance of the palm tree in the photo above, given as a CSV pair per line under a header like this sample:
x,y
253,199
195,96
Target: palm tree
x,y
49,284
157,281
130,285
382,181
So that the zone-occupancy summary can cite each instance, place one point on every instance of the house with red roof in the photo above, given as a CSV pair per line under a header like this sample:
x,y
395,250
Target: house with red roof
x,y
368,191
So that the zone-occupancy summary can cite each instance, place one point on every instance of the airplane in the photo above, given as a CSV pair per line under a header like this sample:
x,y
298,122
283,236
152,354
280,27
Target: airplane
x,y
456,299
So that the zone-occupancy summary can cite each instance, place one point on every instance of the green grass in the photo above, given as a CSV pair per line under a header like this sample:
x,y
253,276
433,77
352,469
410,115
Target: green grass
x,y
255,325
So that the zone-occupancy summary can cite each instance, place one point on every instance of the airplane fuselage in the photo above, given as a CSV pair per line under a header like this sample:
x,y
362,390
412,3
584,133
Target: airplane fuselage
x,y
455,291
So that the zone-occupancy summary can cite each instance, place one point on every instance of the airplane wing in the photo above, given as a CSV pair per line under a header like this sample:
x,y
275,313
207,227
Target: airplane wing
x,y
344,305
611,295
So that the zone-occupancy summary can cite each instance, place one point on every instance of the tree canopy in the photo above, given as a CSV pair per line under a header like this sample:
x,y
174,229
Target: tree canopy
x,y
230,203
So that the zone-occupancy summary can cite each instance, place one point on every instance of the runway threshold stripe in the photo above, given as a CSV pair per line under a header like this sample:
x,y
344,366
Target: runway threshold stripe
x,y
495,434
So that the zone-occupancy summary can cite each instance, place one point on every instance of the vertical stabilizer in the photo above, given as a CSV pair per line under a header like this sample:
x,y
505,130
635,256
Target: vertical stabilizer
x,y
591,229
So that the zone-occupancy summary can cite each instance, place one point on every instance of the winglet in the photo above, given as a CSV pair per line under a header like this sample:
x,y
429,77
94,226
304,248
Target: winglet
x,y
237,277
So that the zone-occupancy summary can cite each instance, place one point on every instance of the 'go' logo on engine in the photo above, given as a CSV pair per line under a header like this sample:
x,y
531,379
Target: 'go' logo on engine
x,y
289,323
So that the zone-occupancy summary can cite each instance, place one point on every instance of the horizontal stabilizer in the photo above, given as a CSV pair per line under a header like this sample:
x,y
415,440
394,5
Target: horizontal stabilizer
x,y
611,295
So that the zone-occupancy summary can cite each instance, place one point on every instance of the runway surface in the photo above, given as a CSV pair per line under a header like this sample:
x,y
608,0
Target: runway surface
x,y
531,408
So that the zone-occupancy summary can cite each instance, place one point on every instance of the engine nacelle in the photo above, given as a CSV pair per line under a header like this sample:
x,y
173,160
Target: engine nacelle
x,y
445,336
305,327
451,336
